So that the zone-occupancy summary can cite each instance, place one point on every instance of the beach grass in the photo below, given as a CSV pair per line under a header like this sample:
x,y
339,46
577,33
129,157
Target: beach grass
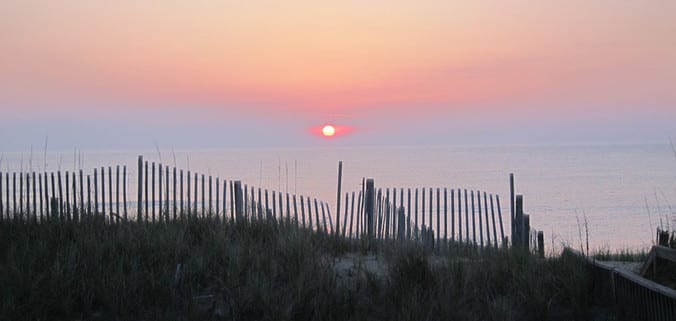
x,y
210,270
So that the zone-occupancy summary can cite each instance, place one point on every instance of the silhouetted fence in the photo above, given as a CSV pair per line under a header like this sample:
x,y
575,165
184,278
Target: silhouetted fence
x,y
162,194
435,215
635,297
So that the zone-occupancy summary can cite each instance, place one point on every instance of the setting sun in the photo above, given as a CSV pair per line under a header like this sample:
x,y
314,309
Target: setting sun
x,y
328,131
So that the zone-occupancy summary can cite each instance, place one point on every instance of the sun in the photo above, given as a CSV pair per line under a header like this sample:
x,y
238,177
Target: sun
x,y
328,130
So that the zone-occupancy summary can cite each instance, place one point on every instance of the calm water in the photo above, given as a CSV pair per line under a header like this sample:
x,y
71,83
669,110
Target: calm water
x,y
614,186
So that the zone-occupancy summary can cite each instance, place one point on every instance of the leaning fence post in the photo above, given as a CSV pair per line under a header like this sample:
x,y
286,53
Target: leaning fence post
x,y
541,244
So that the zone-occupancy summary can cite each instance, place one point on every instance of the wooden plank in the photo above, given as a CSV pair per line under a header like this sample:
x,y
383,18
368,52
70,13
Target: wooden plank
x,y
416,228
152,186
401,232
260,205
74,215
211,209
110,191
424,226
232,200
495,233
360,221
379,214
82,199
512,212
66,203
225,187
541,244
502,230
340,181
139,191
239,203
117,191
347,202
89,197
408,214
189,214
488,230
295,211
438,216
60,202
124,190
473,219
393,210
160,211
445,215
218,184
167,210
517,237
174,202
351,217
42,211
309,211
386,211
274,205
53,214
21,212
302,210
35,203
481,234
7,194
268,211
466,218
139,196
281,206
194,201
453,214
431,224
145,181
288,209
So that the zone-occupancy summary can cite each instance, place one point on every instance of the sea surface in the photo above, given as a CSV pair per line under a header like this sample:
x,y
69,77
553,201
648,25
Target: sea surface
x,y
620,192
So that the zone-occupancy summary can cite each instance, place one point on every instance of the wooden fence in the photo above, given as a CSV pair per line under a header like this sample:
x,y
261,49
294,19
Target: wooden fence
x,y
433,214
635,297
437,215
162,194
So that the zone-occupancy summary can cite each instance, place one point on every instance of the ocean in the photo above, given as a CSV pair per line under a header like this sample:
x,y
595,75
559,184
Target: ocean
x,y
621,192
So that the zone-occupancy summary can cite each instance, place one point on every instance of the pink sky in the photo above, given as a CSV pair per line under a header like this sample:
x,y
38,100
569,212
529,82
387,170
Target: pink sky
x,y
277,68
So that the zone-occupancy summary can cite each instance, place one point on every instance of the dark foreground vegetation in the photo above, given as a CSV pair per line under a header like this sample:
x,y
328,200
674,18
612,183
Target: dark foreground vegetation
x,y
267,271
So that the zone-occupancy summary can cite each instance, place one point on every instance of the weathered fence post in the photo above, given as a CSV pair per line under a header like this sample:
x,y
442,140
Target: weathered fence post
x,y
541,244
145,183
401,217
89,198
238,199
512,205
517,222
481,233
340,181
369,206
502,229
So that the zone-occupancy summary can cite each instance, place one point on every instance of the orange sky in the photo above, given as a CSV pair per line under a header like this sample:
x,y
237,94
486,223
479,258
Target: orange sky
x,y
310,59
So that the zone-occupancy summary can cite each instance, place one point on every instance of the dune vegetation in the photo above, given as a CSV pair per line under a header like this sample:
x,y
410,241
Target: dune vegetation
x,y
210,270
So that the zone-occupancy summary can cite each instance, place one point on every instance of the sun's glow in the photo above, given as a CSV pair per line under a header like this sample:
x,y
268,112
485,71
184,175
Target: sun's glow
x,y
328,130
